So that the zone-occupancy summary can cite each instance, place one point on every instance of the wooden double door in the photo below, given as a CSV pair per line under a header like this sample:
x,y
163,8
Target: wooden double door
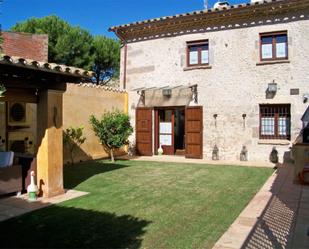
x,y
175,128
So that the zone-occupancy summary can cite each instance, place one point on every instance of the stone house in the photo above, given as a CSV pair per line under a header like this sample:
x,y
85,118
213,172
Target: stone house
x,y
218,82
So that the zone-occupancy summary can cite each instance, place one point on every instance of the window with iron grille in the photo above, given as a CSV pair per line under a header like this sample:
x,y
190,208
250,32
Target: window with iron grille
x,y
274,46
197,53
275,122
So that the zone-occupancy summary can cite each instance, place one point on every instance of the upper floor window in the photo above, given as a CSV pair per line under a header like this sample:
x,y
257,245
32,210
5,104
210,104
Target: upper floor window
x,y
275,121
197,53
274,46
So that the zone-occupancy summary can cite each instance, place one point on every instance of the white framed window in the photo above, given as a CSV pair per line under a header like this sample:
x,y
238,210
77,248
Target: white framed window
x,y
197,53
274,46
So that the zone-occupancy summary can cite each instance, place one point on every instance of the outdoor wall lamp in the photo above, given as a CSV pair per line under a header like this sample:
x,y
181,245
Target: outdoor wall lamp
x,y
272,87
141,93
167,92
244,120
215,117
194,93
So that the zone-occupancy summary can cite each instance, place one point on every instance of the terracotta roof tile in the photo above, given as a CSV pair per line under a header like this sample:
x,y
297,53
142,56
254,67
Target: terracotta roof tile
x,y
106,88
44,66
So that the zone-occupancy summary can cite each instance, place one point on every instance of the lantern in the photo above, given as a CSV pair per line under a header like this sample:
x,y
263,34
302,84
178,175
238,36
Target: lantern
x,y
215,153
273,157
244,153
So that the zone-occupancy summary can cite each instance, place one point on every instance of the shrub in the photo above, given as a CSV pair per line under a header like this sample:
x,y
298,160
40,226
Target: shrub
x,y
73,138
113,130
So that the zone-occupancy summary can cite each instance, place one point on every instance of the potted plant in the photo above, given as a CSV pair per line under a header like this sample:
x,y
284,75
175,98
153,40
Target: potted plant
x,y
2,90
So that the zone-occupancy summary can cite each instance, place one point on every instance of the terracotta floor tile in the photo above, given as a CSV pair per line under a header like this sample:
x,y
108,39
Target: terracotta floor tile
x,y
282,208
13,206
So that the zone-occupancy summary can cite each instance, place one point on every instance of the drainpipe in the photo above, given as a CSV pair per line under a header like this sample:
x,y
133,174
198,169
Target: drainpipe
x,y
125,58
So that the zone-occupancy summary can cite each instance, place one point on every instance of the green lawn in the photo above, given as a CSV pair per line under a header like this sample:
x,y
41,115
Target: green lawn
x,y
140,204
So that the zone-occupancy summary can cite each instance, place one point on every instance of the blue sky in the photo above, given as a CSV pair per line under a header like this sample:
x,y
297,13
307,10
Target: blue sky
x,y
96,15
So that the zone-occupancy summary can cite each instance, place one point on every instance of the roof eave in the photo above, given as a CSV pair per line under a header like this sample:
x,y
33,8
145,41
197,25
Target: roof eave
x,y
45,66
124,32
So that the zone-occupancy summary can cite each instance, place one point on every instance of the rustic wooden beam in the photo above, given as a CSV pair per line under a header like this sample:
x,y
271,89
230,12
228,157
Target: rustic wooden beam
x,y
18,77
202,25
20,95
35,75
18,82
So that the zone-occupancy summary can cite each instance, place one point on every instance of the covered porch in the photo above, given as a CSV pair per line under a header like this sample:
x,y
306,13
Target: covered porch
x,y
31,120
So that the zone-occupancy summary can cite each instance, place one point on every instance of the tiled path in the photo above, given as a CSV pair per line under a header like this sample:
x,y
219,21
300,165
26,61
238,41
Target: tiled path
x,y
277,217
182,159
14,206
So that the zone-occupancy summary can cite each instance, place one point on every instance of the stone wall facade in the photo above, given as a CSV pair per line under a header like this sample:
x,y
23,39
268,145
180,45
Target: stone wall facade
x,y
234,84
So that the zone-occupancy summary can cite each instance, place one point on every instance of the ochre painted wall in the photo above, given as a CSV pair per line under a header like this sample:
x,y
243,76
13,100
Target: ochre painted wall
x,y
49,155
81,101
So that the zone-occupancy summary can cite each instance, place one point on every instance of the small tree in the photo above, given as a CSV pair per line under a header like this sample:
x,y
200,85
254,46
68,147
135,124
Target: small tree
x,y
73,138
113,130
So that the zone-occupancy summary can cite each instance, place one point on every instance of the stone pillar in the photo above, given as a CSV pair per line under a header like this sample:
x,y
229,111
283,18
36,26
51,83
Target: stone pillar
x,y
50,152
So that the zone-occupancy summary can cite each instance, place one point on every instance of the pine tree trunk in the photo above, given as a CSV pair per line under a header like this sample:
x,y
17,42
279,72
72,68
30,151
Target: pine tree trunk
x,y
112,156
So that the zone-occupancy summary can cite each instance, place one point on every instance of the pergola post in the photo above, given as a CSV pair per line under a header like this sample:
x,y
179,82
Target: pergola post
x,y
50,152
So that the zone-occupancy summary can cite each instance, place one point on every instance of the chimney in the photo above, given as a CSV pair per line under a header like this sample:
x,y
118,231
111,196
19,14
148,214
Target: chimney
x,y
28,46
205,4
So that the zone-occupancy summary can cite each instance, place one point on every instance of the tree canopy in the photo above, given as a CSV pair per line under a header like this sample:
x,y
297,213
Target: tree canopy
x,y
53,26
106,58
113,130
75,46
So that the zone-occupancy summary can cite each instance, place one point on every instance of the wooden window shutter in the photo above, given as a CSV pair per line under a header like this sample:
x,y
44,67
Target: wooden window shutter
x,y
143,131
194,131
